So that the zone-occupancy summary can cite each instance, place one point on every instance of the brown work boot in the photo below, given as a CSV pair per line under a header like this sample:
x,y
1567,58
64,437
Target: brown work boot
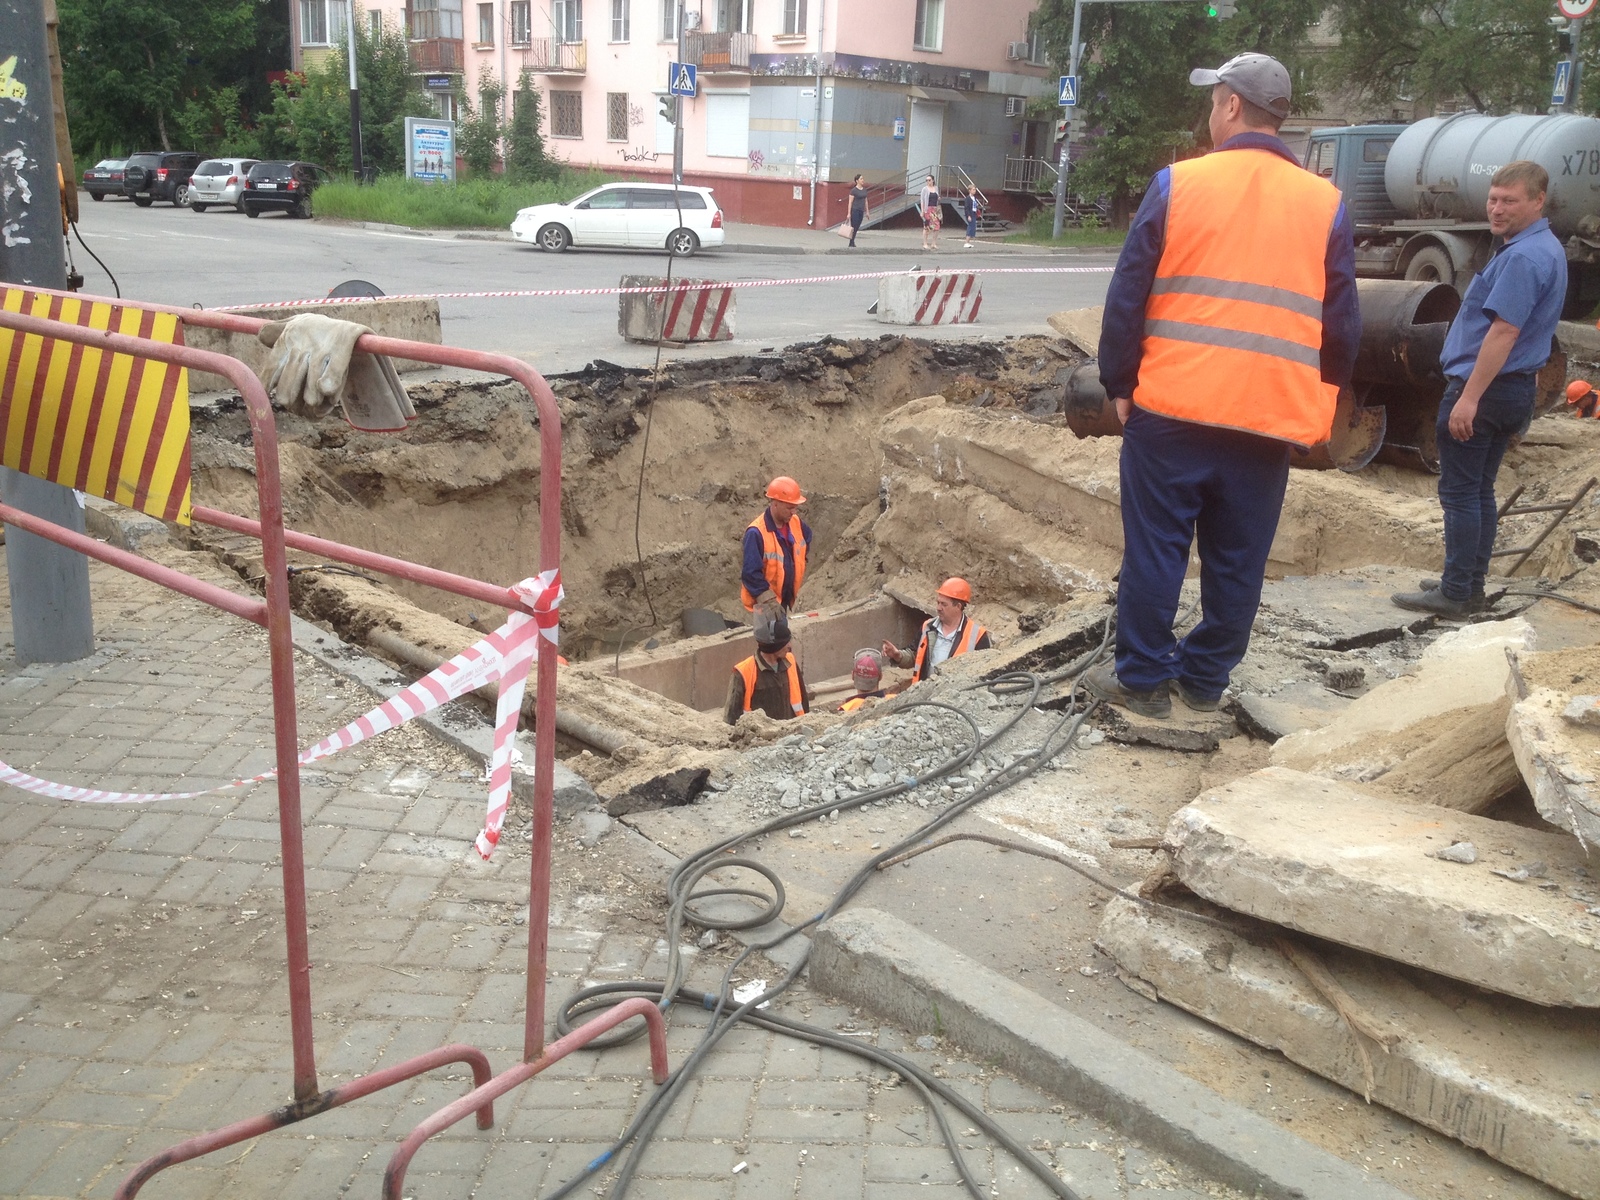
x,y
1102,683
1479,600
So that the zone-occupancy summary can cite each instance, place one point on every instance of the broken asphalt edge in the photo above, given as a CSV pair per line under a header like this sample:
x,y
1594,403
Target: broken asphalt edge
x,y
879,962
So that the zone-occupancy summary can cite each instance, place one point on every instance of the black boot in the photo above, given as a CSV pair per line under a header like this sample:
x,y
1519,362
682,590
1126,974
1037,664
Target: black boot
x,y
1435,602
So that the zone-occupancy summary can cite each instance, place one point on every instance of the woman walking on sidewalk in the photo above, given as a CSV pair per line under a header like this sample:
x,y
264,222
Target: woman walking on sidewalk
x,y
858,206
928,203
971,206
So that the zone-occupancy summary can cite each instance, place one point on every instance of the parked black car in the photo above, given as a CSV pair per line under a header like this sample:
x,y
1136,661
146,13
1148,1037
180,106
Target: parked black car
x,y
159,175
282,186
104,179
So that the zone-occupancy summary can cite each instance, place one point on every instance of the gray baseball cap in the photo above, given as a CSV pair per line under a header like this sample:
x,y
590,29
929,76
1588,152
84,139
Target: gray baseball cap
x,y
1259,78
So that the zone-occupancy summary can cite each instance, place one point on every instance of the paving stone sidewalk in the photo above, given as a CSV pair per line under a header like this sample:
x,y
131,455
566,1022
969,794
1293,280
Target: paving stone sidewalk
x,y
142,994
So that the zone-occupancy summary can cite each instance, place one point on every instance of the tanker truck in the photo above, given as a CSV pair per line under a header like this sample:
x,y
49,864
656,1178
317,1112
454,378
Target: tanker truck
x,y
1416,193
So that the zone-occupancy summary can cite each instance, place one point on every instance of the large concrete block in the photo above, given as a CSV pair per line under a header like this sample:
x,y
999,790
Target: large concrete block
x,y
932,299
1557,753
1357,867
1505,1077
1437,734
413,320
695,310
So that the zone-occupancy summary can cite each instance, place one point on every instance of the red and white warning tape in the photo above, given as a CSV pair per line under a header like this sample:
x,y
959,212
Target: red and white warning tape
x,y
653,290
504,655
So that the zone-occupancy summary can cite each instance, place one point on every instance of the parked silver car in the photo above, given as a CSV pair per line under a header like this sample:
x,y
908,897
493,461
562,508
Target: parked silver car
x,y
219,181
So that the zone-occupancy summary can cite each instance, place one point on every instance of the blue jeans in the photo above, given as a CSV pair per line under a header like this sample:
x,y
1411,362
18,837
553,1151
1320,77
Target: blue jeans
x,y
1184,483
1466,477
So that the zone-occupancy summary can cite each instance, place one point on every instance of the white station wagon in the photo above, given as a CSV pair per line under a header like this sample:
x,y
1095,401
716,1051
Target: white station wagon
x,y
640,215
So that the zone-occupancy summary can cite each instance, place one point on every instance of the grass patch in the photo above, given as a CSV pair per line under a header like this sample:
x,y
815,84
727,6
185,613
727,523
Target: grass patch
x,y
1036,231
490,203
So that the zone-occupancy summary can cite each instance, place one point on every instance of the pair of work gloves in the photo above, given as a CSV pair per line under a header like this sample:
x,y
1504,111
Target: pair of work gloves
x,y
315,366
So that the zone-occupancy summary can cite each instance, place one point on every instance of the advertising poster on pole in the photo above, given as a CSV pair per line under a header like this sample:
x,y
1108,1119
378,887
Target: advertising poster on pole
x,y
430,150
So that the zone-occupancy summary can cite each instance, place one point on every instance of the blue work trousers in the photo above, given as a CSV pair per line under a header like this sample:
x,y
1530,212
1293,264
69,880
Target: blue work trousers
x,y
1466,477
1183,483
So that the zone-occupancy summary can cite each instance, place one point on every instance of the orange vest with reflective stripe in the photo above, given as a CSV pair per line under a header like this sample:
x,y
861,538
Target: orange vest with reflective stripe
x,y
772,559
1233,325
747,671
966,637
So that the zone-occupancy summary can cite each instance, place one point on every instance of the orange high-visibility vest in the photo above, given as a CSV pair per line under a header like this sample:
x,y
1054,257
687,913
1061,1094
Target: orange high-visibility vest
x,y
1233,325
747,671
772,559
966,637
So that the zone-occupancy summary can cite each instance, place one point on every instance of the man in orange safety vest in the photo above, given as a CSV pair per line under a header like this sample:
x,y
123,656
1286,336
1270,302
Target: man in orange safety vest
x,y
769,680
775,547
947,634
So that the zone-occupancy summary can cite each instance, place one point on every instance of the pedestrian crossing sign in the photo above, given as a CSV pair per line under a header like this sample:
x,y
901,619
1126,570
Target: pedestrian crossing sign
x,y
682,79
1068,97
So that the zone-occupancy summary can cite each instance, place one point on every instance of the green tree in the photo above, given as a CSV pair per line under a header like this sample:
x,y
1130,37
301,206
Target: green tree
x,y
1135,101
219,125
478,130
131,66
310,115
526,160
1496,55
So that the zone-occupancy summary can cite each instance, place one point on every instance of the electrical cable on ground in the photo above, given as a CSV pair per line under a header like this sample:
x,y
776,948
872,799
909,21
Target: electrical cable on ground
x,y
1541,594
115,286
692,869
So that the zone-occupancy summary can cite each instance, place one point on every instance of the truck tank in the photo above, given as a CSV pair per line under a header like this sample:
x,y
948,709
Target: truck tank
x,y
1440,167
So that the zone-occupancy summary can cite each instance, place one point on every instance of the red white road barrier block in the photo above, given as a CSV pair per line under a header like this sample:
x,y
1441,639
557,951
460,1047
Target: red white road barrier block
x,y
686,310
930,299
504,656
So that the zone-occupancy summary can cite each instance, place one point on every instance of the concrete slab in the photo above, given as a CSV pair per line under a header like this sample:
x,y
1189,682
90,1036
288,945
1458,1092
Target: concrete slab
x,y
1557,754
1300,706
1437,734
1504,1077
1357,867
1343,612
1185,730
877,961
1080,326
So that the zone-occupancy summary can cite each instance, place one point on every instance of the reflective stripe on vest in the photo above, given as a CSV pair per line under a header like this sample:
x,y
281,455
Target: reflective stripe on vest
x,y
772,559
966,637
1233,325
748,669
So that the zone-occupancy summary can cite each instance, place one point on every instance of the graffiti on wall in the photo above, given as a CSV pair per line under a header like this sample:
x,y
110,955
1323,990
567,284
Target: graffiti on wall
x,y
638,154
878,70
758,160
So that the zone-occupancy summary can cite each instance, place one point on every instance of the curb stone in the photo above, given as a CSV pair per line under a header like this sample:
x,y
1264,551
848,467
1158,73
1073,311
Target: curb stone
x,y
881,963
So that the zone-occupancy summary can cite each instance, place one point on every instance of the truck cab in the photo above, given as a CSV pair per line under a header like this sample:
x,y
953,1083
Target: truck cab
x,y
1352,159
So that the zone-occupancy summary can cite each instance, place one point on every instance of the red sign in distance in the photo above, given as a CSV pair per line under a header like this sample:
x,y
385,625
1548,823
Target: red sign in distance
x,y
1574,9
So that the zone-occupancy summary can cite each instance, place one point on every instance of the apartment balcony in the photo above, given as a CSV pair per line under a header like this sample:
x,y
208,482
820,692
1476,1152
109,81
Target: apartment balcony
x,y
440,55
719,51
547,56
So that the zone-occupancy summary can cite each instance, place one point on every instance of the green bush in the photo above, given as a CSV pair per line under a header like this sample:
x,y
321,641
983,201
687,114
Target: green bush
x,y
476,203
526,160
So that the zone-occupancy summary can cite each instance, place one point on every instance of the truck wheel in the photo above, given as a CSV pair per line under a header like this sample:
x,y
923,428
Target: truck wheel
x,y
1431,265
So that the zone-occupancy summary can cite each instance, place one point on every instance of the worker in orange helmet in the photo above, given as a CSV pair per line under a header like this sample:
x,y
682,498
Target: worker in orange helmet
x,y
866,676
1584,399
946,635
775,546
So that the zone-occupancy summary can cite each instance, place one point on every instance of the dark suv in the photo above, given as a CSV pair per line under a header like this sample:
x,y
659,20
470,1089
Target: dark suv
x,y
284,186
159,175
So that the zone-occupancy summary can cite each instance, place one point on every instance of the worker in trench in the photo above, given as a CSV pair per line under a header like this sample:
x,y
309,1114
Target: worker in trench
x,y
866,676
1230,325
769,680
1497,343
949,633
775,548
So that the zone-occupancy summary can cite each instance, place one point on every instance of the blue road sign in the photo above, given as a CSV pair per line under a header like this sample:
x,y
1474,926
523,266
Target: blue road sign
x,y
1069,91
1558,92
682,79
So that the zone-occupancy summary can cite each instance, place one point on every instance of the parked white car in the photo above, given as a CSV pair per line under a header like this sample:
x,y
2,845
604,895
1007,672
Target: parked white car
x,y
640,215
218,182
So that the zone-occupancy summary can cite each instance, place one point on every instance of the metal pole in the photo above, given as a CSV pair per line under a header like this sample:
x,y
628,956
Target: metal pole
x,y
51,620
355,94
1061,160
677,113
816,121
1576,59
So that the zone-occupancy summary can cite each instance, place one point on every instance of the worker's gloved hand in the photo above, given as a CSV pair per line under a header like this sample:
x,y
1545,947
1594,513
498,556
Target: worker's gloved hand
x,y
768,603
315,365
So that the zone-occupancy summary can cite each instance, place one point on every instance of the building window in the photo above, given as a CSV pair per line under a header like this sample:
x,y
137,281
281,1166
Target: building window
x,y
616,116
431,19
1037,55
733,16
728,124
566,114
929,34
794,17
521,22
669,20
444,105
567,17
313,22
621,25
485,24
375,23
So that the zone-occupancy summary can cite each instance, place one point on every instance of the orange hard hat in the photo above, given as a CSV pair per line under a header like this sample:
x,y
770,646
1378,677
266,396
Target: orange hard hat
x,y
956,588
1578,389
785,489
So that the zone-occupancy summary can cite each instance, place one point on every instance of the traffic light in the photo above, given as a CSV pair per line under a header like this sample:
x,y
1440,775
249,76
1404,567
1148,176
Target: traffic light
x,y
1221,10
669,109
1061,130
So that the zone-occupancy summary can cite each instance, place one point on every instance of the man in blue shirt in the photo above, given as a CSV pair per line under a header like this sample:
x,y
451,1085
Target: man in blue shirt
x,y
1497,343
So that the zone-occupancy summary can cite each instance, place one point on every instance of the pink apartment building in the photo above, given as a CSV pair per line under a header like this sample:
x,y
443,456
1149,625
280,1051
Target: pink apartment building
x,y
796,96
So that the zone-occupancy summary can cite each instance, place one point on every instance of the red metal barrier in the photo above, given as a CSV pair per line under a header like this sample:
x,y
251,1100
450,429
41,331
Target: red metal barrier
x,y
273,613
